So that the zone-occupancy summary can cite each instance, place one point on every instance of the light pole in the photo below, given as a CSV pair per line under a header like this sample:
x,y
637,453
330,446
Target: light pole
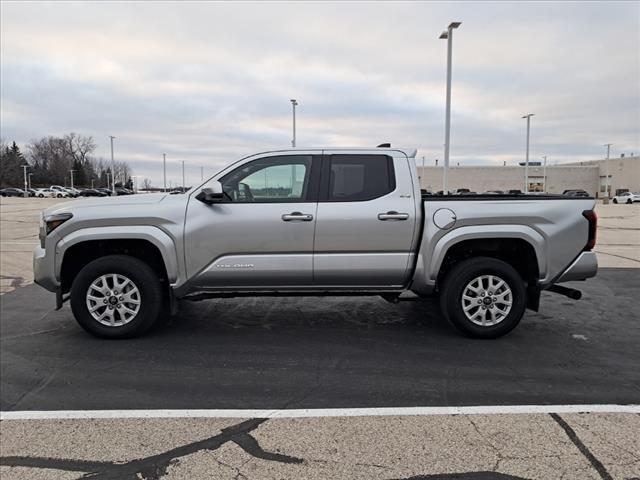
x,y
544,173
164,169
201,174
526,161
29,178
183,176
606,179
71,171
294,104
113,167
24,169
448,36
107,174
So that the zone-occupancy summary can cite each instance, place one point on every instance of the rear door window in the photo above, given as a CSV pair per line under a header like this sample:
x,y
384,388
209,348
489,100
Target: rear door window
x,y
357,178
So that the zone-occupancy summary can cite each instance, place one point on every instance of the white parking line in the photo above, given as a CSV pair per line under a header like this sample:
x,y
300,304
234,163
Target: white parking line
x,y
317,412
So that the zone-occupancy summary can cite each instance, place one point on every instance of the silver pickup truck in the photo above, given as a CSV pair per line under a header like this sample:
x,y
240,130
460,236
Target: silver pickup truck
x,y
314,222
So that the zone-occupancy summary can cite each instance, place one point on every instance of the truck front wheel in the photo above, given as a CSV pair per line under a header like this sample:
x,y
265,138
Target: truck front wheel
x,y
116,296
483,297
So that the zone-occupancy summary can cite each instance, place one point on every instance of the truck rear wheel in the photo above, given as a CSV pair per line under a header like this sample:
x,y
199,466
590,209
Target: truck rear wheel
x,y
116,296
483,297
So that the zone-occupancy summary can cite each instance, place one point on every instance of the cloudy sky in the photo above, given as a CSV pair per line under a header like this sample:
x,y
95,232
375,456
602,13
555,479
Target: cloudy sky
x,y
208,83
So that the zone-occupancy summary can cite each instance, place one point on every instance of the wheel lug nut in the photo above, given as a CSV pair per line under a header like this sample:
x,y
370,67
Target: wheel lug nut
x,y
104,301
115,292
110,307
495,299
121,298
479,301
482,294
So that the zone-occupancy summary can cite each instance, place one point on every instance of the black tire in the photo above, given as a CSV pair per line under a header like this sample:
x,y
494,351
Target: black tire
x,y
144,278
615,201
461,275
629,202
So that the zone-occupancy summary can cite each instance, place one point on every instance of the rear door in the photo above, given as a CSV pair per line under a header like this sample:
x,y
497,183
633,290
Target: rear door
x,y
365,221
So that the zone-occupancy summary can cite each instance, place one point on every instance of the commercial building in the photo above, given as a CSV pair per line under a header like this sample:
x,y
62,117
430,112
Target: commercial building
x,y
623,174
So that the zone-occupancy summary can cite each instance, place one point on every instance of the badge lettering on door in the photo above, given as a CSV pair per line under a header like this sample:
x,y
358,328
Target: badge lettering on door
x,y
235,265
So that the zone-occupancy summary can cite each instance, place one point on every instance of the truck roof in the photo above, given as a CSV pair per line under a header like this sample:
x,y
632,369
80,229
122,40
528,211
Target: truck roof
x,y
409,152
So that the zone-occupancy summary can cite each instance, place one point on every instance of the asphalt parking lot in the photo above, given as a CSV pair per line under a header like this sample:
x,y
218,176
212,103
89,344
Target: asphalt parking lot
x,y
277,355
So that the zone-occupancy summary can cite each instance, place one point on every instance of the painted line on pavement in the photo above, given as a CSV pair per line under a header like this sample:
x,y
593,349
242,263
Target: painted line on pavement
x,y
316,412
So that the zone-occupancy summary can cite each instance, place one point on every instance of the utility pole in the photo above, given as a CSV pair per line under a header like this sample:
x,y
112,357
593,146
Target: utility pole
x,y
294,104
448,36
164,168
526,162
29,178
606,179
544,173
113,168
71,171
24,169
183,185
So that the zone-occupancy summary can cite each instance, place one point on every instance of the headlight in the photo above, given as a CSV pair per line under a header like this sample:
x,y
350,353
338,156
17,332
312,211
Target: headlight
x,y
54,221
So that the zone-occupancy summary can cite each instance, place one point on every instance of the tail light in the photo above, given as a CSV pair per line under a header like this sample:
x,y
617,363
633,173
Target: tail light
x,y
592,218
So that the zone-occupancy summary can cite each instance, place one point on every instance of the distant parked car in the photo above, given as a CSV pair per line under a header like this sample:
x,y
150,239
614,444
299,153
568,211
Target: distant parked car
x,y
12,192
514,192
64,191
576,193
123,191
92,192
45,192
627,197
493,192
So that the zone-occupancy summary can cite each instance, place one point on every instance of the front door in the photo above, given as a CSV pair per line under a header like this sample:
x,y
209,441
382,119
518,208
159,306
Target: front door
x,y
261,234
365,221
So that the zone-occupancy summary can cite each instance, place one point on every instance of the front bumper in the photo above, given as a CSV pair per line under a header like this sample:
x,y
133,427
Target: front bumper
x,y
44,270
585,266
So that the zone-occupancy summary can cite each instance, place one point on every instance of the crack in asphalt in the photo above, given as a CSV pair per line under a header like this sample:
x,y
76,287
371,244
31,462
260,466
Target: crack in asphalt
x,y
155,466
573,436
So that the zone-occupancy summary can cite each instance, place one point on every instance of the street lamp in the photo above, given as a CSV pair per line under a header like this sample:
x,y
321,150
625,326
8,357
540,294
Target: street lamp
x,y
113,167
164,169
606,179
24,169
448,36
71,171
544,173
183,189
294,104
29,178
526,161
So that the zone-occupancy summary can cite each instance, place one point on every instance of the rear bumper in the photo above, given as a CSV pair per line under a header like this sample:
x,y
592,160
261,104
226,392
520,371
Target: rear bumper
x,y
585,266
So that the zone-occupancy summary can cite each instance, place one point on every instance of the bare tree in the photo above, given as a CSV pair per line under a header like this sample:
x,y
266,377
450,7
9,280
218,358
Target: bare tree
x,y
146,184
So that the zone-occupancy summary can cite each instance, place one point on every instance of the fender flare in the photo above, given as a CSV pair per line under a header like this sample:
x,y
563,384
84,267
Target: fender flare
x,y
476,232
152,234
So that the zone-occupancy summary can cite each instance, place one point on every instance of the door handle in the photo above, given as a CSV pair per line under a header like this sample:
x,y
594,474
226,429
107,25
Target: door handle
x,y
297,216
392,215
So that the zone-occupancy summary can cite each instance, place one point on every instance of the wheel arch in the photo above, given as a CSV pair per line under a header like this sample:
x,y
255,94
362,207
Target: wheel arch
x,y
149,244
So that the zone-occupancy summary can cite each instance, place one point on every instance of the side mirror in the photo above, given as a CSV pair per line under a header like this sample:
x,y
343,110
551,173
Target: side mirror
x,y
211,194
